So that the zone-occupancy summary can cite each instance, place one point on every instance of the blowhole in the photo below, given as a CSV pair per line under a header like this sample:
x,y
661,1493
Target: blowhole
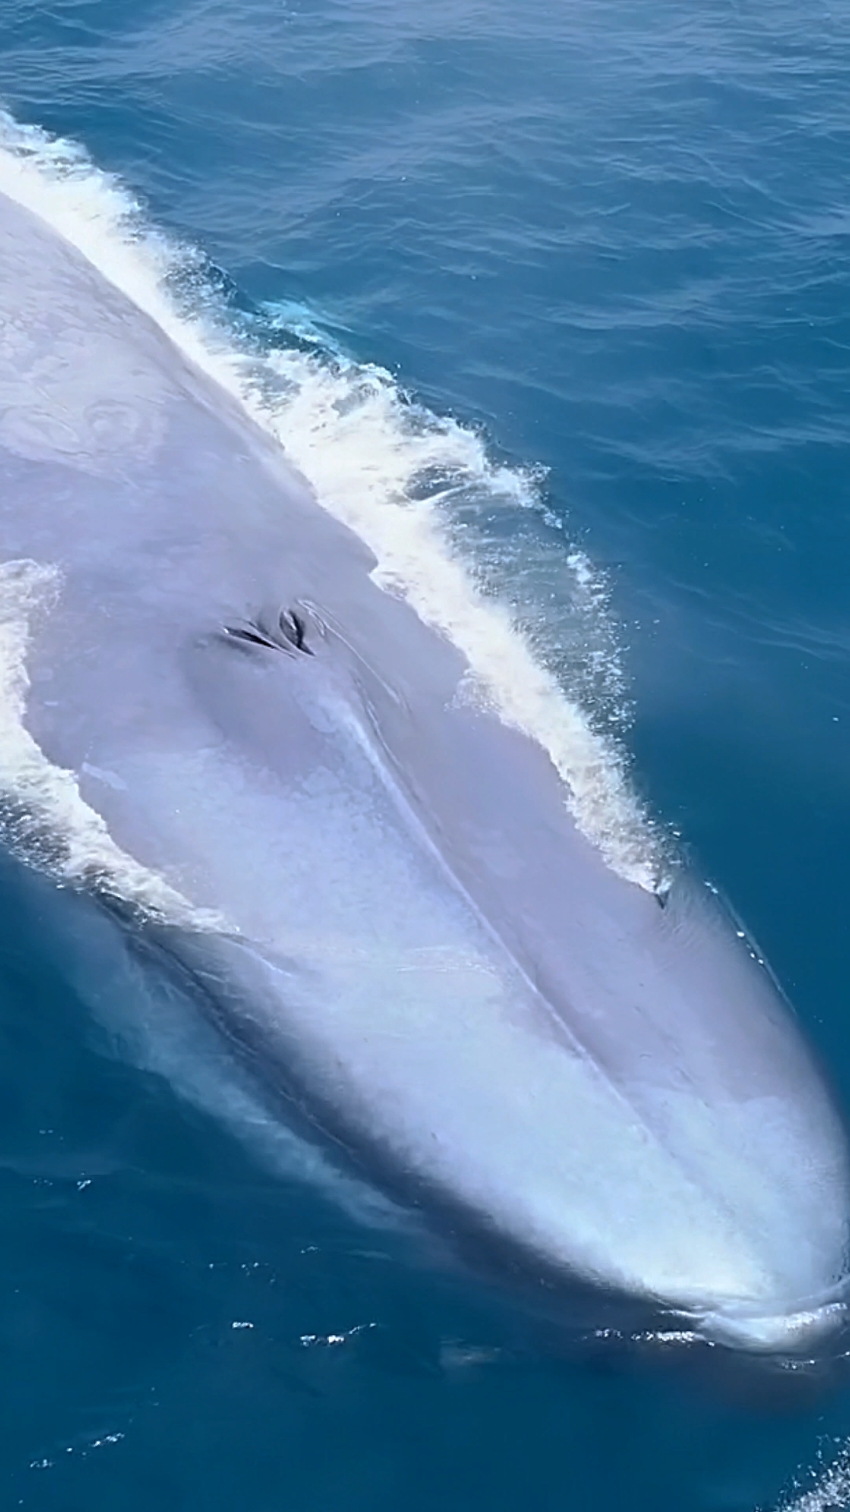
x,y
288,634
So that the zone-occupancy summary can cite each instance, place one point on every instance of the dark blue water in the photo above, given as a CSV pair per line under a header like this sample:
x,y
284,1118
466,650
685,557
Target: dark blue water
x,y
612,242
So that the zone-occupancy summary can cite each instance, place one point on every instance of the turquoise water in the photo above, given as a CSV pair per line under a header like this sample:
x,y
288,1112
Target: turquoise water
x,y
577,279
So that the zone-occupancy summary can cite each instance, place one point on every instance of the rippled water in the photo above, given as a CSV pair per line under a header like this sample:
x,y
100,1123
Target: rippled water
x,y
570,285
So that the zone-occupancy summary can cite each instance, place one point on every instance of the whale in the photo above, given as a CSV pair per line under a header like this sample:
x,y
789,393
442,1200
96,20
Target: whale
x,y
218,723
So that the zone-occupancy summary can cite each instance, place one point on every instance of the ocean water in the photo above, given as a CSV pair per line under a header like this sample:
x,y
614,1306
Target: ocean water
x,y
553,303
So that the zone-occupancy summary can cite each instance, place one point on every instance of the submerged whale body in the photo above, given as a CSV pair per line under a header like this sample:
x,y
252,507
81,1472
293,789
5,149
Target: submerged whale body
x,y
209,709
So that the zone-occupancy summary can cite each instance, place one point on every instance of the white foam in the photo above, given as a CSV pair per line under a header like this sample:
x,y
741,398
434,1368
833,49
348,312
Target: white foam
x,y
387,467
47,806
829,1490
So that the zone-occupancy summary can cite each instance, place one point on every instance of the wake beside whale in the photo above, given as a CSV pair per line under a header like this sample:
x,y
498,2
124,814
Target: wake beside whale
x,y
210,710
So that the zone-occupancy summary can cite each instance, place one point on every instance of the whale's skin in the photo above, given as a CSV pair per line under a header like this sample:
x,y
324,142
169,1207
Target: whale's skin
x,y
396,903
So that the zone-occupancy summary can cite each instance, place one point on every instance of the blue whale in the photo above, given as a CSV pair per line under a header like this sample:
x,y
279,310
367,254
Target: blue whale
x,y
211,710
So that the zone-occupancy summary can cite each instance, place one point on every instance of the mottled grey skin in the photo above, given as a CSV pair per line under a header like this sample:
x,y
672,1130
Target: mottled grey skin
x,y
411,924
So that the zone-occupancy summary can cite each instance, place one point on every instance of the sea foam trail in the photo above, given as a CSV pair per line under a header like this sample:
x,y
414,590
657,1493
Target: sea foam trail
x,y
829,1490
389,468
46,814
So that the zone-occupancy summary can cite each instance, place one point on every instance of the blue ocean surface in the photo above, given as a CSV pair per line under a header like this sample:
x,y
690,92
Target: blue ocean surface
x,y
569,285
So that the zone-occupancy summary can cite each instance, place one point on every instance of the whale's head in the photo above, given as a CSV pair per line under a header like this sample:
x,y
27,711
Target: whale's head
x,y
379,872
